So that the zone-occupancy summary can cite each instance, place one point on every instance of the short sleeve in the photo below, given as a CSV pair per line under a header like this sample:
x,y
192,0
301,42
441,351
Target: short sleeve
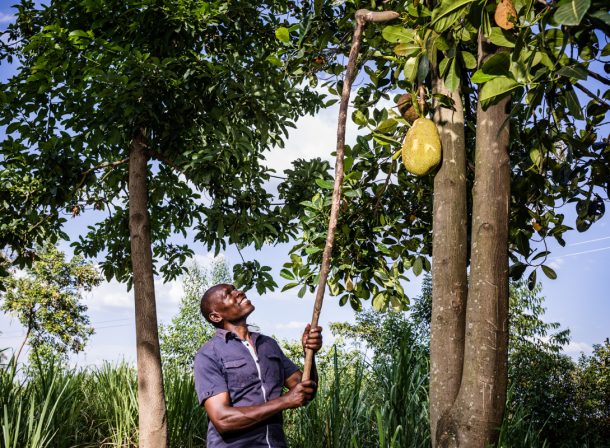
x,y
288,366
209,380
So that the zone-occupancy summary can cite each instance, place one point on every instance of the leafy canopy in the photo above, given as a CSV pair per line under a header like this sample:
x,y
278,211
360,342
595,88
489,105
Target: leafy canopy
x,y
551,63
205,82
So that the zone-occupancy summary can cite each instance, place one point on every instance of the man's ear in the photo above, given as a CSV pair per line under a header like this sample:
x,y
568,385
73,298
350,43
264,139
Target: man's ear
x,y
215,317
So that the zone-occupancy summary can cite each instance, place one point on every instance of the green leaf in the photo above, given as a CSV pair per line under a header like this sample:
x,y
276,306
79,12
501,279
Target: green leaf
x,y
452,80
442,67
497,87
325,184
470,62
447,13
387,126
274,60
501,38
573,71
302,292
602,15
411,67
283,35
379,302
418,266
494,66
359,118
409,49
550,273
398,33
423,68
288,275
78,33
288,286
531,280
572,103
571,12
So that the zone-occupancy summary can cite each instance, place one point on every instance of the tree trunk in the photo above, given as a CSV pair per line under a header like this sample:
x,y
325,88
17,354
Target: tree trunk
x,y
449,257
151,396
478,410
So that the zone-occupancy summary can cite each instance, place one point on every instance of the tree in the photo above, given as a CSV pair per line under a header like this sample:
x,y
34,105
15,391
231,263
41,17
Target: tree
x,y
493,92
130,111
539,372
187,331
47,301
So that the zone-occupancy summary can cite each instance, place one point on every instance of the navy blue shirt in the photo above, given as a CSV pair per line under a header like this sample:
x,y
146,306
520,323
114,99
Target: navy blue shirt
x,y
225,364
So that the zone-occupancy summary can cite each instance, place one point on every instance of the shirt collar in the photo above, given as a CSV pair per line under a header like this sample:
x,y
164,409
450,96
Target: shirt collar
x,y
225,335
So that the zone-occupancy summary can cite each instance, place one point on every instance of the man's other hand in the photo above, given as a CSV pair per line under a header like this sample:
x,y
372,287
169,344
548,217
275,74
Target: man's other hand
x,y
301,394
312,338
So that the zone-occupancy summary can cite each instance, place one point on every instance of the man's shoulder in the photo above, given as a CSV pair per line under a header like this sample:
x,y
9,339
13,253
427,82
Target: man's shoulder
x,y
209,347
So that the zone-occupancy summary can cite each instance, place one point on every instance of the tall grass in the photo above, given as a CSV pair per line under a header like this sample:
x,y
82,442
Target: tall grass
x,y
359,404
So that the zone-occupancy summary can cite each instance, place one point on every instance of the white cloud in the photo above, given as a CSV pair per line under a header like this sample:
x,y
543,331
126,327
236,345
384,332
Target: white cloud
x,y
556,263
110,295
6,18
574,349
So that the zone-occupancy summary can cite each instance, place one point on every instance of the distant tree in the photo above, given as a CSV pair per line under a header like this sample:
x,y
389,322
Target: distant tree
x,y
593,395
539,372
421,309
47,301
188,330
382,333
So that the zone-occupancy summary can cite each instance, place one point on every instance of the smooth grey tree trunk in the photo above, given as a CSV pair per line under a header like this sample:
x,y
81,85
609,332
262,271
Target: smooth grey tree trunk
x,y
151,396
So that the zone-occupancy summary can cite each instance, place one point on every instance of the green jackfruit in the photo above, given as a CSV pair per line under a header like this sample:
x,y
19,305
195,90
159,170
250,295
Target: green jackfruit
x,y
421,150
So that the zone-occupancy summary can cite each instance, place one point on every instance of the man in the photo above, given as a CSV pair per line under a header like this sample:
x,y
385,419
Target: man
x,y
240,375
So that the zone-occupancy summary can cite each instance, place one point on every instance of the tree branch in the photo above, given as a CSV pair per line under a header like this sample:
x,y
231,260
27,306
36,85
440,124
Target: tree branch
x,y
590,94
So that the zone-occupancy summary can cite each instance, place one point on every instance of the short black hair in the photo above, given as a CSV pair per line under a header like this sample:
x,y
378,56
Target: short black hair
x,y
207,304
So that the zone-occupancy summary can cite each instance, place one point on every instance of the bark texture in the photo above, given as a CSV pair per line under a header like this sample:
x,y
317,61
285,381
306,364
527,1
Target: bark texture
x,y
478,410
151,396
449,258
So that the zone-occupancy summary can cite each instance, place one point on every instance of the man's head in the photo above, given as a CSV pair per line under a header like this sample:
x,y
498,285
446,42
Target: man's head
x,y
224,303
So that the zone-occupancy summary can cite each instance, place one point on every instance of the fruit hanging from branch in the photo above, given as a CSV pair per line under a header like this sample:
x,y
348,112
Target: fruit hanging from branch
x,y
505,15
421,149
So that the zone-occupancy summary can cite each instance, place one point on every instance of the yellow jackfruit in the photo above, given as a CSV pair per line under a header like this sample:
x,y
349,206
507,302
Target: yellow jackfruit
x,y
505,15
421,150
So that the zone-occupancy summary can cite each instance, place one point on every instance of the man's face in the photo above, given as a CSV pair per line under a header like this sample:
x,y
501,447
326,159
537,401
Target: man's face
x,y
231,304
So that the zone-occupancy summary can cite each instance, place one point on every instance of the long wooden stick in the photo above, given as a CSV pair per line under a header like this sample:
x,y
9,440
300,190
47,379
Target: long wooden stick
x,y
363,16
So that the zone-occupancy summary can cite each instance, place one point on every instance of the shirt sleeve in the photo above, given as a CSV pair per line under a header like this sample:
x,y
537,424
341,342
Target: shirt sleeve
x,y
288,366
209,380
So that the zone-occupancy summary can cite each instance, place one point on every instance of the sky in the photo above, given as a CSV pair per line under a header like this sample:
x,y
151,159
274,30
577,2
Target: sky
x,y
578,299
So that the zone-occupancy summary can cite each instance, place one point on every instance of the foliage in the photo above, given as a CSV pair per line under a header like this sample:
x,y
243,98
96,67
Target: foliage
x,y
204,82
593,395
566,400
187,331
558,155
47,300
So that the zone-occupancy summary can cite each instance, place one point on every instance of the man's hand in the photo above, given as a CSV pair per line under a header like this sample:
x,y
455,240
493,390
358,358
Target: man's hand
x,y
300,395
312,338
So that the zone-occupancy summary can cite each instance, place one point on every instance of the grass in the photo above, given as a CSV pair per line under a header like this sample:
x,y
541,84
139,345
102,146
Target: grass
x,y
359,404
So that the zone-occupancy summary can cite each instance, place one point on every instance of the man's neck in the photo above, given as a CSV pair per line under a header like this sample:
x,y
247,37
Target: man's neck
x,y
240,329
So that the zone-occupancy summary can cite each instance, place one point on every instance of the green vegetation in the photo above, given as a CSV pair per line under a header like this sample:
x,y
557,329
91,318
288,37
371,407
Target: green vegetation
x,y
46,300
363,401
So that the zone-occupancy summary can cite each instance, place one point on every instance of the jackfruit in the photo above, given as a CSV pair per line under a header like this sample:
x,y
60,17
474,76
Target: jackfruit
x,y
421,150
505,15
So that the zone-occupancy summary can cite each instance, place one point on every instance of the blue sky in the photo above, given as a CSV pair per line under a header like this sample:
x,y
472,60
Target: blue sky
x,y
578,298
